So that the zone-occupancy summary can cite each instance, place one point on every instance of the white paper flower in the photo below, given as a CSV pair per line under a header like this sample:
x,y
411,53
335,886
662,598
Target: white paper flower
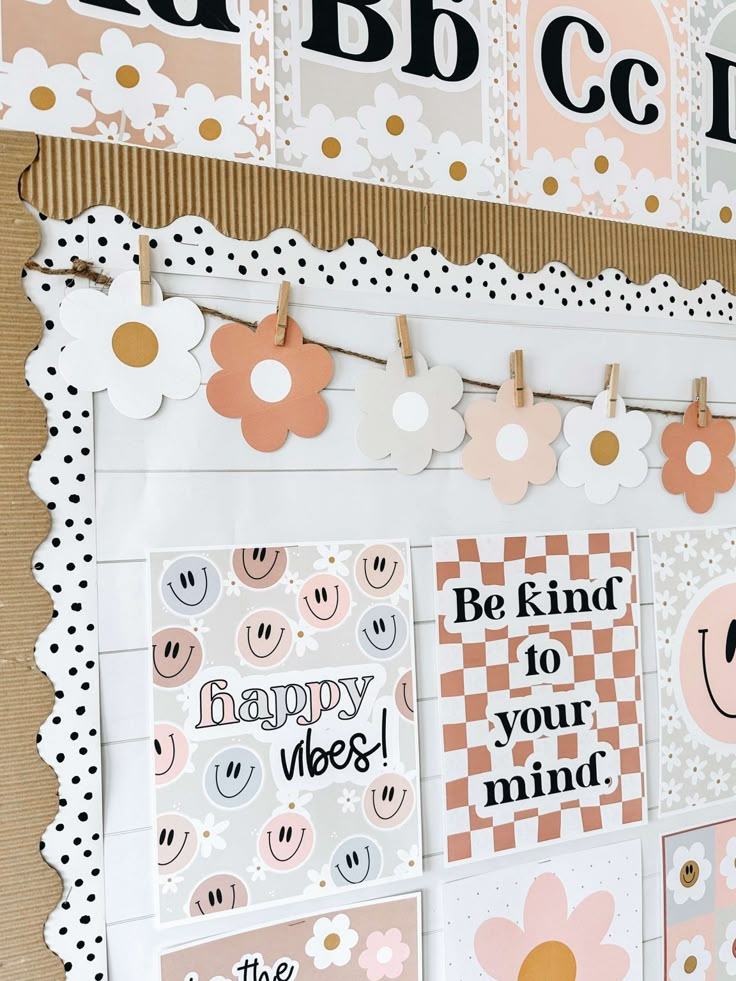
x,y
728,864
125,77
392,126
332,559
332,942
331,146
304,638
410,861
649,199
458,168
320,882
112,133
211,127
407,418
719,211
550,183
210,835
599,165
43,99
727,950
604,454
138,353
692,960
688,873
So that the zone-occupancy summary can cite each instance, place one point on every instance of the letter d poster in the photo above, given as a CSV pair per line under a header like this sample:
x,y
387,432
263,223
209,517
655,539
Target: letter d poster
x,y
540,689
284,740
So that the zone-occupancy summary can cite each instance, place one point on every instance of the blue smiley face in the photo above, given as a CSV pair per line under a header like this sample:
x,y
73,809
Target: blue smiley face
x,y
191,585
382,632
233,777
355,861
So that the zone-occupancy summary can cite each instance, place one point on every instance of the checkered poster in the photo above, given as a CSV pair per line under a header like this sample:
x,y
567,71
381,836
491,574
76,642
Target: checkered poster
x,y
540,688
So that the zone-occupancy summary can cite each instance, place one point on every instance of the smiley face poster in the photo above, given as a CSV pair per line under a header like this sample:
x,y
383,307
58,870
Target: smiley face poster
x,y
695,606
540,689
284,742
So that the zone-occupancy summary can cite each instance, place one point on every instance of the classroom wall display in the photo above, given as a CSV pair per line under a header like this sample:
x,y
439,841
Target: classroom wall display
x,y
699,887
285,752
540,689
577,916
694,588
368,942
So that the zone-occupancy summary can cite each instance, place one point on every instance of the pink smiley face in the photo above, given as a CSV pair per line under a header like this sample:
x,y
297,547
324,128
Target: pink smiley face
x,y
404,695
286,841
177,657
264,638
176,838
259,568
379,570
388,800
708,664
170,752
324,601
218,894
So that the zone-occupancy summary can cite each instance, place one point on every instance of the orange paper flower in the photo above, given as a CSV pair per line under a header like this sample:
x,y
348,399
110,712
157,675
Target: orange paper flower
x,y
273,390
697,459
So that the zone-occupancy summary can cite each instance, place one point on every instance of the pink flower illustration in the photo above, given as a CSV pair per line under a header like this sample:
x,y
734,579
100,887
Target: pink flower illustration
x,y
553,943
384,955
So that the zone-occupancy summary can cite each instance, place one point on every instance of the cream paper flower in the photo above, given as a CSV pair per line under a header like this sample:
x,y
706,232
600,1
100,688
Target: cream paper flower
x,y
692,960
331,146
604,454
392,126
43,99
407,418
125,77
599,165
688,875
332,942
549,183
458,168
210,127
138,353
649,200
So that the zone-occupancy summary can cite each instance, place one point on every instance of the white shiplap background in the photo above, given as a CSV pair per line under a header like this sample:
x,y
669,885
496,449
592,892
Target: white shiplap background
x,y
185,477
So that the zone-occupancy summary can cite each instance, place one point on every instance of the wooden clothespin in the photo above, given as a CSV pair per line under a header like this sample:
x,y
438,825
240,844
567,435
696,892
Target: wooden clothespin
x,y
517,375
700,395
282,313
402,328
144,265
611,386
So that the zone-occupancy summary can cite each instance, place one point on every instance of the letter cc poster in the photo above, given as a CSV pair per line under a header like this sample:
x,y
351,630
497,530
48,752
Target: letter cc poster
x,y
540,689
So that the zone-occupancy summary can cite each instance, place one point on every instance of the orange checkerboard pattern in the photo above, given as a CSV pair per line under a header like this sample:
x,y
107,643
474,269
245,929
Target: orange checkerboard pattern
x,y
470,673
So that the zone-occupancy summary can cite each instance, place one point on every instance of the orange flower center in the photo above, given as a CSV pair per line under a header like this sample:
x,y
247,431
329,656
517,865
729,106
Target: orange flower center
x,y
549,961
135,344
604,448
42,98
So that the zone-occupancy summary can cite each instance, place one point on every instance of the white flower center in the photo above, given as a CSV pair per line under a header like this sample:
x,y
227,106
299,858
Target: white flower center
x,y
410,411
384,955
270,380
698,458
512,442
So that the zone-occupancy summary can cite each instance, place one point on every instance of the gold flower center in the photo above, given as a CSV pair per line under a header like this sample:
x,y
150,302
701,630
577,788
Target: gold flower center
x,y
210,129
458,170
128,76
395,125
43,98
652,204
550,186
135,344
601,164
691,964
549,961
332,941
725,214
331,147
604,448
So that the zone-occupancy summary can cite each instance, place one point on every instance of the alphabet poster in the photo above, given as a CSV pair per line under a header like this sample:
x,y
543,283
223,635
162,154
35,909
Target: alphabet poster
x,y
694,599
368,942
540,689
699,882
284,741
579,916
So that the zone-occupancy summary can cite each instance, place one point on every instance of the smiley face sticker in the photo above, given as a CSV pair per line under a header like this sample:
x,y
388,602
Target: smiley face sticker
x,y
356,861
388,801
260,568
233,777
324,601
177,656
191,585
382,632
286,841
177,842
404,695
379,571
170,752
219,893
265,638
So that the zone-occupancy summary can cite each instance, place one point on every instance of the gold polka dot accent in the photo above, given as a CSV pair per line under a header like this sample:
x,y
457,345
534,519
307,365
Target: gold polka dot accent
x,y
43,98
604,448
550,186
458,170
601,164
691,964
135,344
652,204
127,76
210,129
331,941
725,214
331,147
395,125
549,961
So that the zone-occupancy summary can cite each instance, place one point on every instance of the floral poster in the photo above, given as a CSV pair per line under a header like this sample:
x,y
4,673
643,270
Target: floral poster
x,y
368,942
699,871
540,689
574,917
694,597
284,741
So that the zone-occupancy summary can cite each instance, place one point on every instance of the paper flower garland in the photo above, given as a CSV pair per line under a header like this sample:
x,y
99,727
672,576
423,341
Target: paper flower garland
x,y
604,454
138,353
407,418
273,389
510,446
697,462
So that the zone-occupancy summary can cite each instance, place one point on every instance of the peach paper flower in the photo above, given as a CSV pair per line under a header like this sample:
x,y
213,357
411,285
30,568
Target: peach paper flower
x,y
697,459
510,445
552,942
273,390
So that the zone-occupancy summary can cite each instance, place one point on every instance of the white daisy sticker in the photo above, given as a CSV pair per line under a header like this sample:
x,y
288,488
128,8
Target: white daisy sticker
x,y
210,127
604,453
550,183
458,168
331,146
43,99
393,128
332,942
599,165
688,875
692,960
138,353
